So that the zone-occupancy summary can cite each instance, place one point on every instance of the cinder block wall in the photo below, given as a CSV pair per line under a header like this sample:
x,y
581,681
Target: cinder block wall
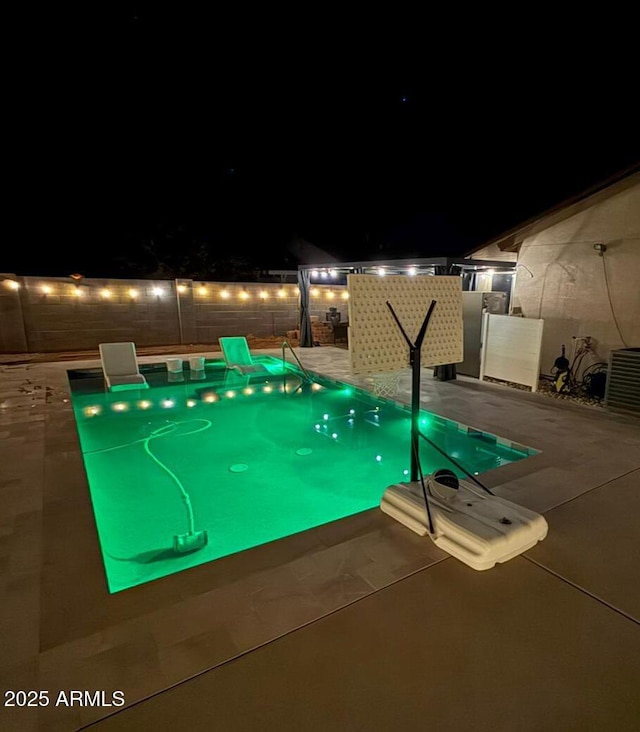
x,y
47,314
228,309
13,338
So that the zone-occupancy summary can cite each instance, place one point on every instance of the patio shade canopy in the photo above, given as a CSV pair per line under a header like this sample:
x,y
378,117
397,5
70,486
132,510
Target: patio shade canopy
x,y
336,273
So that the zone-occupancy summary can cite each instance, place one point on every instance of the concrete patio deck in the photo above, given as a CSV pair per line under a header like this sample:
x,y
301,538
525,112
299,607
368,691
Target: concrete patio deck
x,y
358,624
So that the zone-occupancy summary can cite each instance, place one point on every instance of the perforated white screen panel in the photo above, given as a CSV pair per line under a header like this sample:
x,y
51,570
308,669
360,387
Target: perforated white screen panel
x,y
376,343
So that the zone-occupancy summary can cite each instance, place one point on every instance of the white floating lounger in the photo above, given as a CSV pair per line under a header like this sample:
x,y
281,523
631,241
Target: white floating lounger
x,y
477,528
120,366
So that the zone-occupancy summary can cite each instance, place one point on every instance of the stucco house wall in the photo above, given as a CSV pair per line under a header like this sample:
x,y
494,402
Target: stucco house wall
x,y
564,280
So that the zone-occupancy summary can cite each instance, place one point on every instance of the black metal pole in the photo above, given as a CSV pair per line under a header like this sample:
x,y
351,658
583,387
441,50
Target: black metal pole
x,y
415,393
414,361
415,411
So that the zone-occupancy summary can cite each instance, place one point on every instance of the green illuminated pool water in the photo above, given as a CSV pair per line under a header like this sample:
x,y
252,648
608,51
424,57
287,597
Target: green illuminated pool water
x,y
247,461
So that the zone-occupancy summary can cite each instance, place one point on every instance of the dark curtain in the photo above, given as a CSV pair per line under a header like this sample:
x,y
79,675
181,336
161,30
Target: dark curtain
x,y
306,337
447,371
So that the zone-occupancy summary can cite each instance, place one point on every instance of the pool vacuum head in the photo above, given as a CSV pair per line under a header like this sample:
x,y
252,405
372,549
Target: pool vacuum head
x,y
185,543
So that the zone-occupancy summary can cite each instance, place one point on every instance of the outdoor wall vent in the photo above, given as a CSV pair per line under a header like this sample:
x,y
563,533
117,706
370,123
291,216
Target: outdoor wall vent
x,y
623,381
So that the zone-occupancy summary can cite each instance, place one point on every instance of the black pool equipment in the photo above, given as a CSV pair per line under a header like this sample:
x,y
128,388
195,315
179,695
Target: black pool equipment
x,y
572,379
595,382
561,372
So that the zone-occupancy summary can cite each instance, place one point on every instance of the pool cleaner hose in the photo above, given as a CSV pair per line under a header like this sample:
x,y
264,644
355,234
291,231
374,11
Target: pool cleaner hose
x,y
193,540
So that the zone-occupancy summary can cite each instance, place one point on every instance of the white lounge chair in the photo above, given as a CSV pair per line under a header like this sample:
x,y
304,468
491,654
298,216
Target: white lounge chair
x,y
120,367
236,353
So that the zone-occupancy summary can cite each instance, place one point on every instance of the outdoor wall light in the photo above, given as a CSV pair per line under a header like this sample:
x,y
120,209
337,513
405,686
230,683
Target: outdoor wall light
x,y
78,292
12,284
315,292
381,272
282,293
105,294
345,295
600,248
330,295
202,290
412,271
182,288
133,294
244,295
264,295
224,294
46,289
157,291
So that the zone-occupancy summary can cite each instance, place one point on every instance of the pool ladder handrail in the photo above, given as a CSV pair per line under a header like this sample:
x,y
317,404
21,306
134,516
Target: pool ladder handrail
x,y
286,344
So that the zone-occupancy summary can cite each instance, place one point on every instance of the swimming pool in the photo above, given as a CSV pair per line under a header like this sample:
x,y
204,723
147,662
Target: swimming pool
x,y
243,461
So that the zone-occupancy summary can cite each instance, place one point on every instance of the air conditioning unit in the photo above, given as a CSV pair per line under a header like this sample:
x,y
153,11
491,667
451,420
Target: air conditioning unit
x,y
622,392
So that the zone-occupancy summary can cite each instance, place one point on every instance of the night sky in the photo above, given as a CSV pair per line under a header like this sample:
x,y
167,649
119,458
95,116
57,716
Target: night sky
x,y
153,138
